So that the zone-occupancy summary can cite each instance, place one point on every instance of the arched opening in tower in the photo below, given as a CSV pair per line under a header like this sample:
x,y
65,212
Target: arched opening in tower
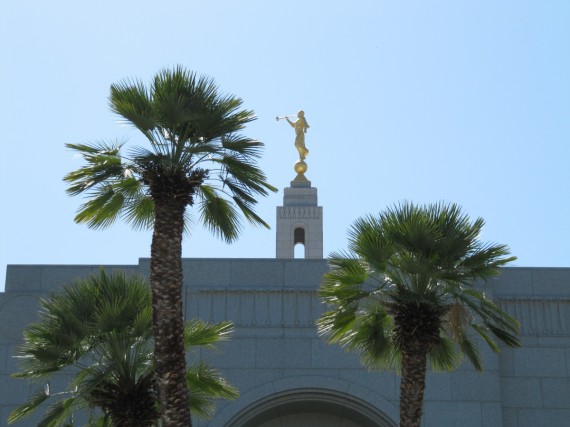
x,y
299,242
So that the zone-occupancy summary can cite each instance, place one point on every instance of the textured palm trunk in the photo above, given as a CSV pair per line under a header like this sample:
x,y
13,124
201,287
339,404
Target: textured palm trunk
x,y
168,322
132,406
412,385
141,413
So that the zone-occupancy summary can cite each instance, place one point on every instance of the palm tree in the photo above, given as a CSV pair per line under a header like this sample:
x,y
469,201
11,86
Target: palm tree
x,y
99,333
404,294
195,156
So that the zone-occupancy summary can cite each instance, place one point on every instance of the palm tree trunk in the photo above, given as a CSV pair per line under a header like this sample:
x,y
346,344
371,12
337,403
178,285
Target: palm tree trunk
x,y
412,384
168,318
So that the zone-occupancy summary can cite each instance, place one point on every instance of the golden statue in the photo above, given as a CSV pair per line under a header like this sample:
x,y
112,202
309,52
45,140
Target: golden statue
x,y
301,127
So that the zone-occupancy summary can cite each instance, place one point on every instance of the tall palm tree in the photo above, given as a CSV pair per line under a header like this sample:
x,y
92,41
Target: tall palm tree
x,y
195,156
404,294
98,332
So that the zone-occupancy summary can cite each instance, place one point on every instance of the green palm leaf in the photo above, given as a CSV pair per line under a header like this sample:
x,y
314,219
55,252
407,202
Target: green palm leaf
x,y
98,331
403,293
204,384
30,405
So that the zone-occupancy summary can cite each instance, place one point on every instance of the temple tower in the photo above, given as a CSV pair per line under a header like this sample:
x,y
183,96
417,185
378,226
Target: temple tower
x,y
300,220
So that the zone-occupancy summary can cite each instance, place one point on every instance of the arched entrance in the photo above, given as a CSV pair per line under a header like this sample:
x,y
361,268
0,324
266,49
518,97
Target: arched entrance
x,y
310,408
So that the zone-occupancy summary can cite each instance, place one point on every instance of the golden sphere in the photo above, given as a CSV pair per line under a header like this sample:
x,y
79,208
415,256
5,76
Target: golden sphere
x,y
300,167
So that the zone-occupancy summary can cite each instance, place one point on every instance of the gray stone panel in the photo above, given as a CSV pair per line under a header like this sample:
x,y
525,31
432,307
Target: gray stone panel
x,y
438,386
540,362
491,414
386,384
237,353
300,273
507,362
210,274
551,282
513,281
13,391
55,277
476,386
545,417
16,312
554,341
556,393
250,378
12,362
144,266
23,278
510,417
528,341
332,356
192,303
265,273
456,414
270,353
4,356
521,392
298,332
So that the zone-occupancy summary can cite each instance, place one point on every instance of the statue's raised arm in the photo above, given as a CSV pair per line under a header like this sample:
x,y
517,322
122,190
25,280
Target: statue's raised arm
x,y
300,125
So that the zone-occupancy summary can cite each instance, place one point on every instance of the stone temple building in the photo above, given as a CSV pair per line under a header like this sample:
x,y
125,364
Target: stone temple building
x,y
289,377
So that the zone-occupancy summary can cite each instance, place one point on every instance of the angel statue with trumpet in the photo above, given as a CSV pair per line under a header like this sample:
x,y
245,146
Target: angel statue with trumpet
x,y
301,127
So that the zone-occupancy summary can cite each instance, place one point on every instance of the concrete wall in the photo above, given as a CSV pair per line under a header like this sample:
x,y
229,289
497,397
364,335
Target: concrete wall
x,y
275,354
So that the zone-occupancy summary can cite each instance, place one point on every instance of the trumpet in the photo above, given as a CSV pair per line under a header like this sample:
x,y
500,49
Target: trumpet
x,y
283,117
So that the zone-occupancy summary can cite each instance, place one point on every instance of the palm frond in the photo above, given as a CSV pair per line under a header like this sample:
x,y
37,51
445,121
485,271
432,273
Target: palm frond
x,y
373,338
505,335
243,146
337,325
249,213
58,413
457,318
30,405
471,351
495,320
142,323
218,215
205,385
131,100
444,355
139,211
103,209
484,333
344,279
200,333
104,164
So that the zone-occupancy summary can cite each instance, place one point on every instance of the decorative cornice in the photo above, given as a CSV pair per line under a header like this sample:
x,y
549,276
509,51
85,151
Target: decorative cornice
x,y
299,308
259,308
306,212
539,316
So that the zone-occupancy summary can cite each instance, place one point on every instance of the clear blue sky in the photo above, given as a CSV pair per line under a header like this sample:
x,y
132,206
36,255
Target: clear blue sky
x,y
461,101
